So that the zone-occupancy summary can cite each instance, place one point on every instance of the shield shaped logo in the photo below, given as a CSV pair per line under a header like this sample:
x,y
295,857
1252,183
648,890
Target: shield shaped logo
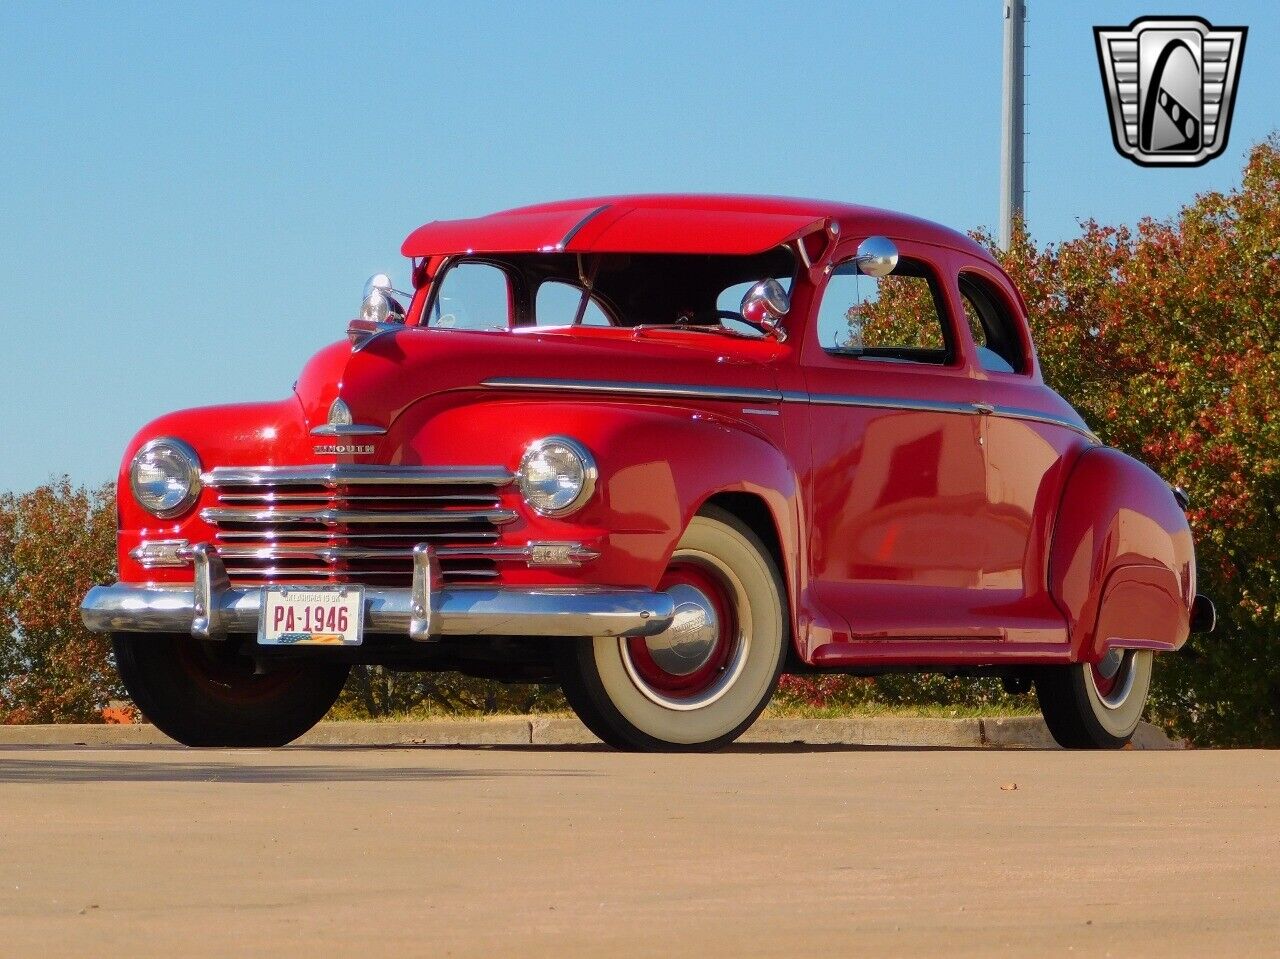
x,y
1171,85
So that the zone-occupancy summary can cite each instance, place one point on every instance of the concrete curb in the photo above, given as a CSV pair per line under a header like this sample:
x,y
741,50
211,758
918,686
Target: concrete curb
x,y
1002,733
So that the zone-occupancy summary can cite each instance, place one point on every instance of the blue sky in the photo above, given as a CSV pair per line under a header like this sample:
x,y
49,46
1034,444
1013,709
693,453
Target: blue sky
x,y
193,194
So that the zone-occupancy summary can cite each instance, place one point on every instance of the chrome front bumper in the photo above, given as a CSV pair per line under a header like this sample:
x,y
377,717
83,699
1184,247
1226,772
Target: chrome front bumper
x,y
211,608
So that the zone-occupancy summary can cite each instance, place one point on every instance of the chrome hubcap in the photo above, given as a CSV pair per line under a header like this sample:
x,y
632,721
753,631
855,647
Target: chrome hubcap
x,y
1110,664
1117,670
689,642
700,656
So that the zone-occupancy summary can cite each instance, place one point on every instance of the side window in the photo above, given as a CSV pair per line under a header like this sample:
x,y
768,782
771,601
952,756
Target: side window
x,y
994,331
472,296
896,317
557,305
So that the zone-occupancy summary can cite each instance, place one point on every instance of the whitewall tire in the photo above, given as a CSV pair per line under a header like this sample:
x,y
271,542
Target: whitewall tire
x,y
703,681
1096,705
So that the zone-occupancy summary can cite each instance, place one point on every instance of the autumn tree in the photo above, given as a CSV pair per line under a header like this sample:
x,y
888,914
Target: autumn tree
x,y
55,543
1166,337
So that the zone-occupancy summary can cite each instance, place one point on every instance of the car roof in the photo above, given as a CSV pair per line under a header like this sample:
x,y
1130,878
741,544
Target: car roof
x,y
670,223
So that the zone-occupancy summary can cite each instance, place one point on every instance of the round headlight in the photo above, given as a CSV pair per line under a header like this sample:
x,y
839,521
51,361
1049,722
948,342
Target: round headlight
x,y
557,475
165,477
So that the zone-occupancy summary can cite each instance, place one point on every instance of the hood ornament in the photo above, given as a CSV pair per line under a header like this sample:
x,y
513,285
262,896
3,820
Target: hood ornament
x,y
341,424
339,413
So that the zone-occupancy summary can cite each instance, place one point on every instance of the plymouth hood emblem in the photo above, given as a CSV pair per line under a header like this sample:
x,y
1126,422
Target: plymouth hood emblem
x,y
339,413
343,449
344,431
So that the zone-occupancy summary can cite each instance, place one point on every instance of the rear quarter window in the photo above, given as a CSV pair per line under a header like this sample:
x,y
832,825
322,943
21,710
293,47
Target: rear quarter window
x,y
995,330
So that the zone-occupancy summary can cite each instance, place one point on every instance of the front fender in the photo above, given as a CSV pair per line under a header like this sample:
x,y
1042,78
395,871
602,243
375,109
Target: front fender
x,y
240,434
1122,561
658,466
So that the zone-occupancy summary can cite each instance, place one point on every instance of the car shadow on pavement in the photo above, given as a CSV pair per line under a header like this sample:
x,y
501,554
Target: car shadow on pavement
x,y
735,749
106,770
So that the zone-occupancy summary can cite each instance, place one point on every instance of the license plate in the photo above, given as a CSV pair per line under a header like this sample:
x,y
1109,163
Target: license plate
x,y
311,616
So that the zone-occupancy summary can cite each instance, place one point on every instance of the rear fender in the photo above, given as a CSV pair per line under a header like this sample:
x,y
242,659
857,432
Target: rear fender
x,y
1122,563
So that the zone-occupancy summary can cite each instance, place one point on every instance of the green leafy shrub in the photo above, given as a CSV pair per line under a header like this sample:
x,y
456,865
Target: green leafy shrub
x,y
373,691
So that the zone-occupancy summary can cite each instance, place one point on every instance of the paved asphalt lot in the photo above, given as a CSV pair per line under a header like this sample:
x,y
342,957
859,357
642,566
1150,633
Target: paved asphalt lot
x,y
544,851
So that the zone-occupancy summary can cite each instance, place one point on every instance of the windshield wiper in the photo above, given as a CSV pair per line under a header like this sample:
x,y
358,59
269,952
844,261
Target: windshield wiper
x,y
717,329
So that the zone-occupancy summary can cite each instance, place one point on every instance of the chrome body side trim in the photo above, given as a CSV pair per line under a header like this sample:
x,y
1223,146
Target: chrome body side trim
x,y
329,476
982,409
1035,416
889,403
676,390
689,391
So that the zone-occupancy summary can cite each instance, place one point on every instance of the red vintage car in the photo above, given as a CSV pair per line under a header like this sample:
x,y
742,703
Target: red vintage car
x,y
660,450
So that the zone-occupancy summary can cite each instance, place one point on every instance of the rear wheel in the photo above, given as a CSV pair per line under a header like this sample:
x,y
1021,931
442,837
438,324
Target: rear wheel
x,y
205,694
1096,705
703,681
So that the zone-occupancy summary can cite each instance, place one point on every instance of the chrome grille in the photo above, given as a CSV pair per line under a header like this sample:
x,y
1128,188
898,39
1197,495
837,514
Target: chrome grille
x,y
355,523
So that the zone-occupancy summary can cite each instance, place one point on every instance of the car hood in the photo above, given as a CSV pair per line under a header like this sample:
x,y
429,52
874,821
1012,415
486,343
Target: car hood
x,y
382,377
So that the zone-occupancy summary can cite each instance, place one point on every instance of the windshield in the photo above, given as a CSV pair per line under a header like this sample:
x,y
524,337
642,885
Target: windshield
x,y
695,292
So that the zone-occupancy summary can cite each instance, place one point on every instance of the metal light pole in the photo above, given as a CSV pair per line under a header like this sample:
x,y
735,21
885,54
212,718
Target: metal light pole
x,y
1011,128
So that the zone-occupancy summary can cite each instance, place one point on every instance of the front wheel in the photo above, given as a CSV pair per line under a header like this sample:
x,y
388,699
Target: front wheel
x,y
699,684
204,694
1096,705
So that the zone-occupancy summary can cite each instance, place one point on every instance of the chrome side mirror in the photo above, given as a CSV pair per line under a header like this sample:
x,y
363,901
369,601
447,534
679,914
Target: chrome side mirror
x,y
876,256
764,306
379,304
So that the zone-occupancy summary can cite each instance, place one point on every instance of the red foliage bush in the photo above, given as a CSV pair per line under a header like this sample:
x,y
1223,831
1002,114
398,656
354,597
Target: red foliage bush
x,y
55,542
1166,337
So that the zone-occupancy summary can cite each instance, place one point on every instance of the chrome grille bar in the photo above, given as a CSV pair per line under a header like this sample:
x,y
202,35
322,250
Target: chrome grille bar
x,y
574,552
288,536
337,517
351,522
324,496
330,476
285,572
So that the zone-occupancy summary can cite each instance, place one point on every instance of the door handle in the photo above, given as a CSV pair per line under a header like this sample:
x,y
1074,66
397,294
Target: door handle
x,y
986,409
